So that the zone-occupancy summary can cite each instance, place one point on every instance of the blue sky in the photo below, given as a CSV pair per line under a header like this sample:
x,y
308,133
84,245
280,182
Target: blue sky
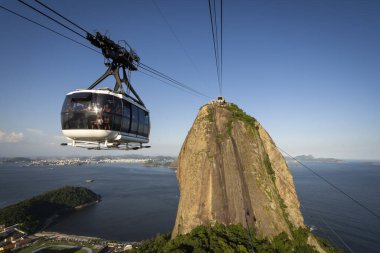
x,y
307,70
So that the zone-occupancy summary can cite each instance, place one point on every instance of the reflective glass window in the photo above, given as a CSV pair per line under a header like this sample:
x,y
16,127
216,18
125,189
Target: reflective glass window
x,y
141,122
76,111
116,125
135,119
146,125
118,106
117,113
92,111
96,116
76,120
77,102
126,120
107,108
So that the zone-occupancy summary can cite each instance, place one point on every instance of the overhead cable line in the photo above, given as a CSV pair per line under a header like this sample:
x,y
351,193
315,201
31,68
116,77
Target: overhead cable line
x,y
331,229
162,78
334,186
221,46
302,206
176,37
49,29
56,21
141,65
47,7
324,229
165,81
168,78
156,72
217,48
214,42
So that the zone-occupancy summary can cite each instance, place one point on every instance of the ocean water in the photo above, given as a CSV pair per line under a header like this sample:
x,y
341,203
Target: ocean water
x,y
334,215
139,202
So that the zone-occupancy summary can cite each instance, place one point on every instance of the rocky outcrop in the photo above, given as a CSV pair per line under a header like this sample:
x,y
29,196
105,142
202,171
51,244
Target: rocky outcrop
x,y
230,172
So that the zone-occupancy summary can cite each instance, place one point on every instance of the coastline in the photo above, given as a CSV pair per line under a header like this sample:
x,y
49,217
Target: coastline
x,y
88,204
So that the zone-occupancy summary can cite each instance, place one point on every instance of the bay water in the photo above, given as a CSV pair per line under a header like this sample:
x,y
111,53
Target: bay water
x,y
139,202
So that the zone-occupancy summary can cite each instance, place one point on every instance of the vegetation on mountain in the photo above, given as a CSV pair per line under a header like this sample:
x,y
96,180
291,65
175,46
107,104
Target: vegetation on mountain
x,y
32,214
239,114
231,238
230,168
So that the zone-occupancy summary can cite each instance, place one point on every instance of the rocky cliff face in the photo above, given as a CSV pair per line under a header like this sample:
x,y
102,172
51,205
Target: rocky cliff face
x,y
230,171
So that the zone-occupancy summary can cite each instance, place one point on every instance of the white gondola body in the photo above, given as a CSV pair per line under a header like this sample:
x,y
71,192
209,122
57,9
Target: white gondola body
x,y
83,118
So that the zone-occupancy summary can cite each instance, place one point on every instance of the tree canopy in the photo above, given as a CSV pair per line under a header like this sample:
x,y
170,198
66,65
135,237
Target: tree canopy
x,y
231,238
33,213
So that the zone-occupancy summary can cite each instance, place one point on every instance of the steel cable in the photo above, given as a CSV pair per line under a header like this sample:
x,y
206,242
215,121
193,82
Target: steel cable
x,y
56,21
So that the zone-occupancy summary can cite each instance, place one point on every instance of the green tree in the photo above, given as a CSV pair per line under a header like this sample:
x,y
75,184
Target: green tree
x,y
34,212
231,238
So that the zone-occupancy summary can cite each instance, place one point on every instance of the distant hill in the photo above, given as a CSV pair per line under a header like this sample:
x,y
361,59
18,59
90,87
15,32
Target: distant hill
x,y
35,213
310,158
15,160
149,161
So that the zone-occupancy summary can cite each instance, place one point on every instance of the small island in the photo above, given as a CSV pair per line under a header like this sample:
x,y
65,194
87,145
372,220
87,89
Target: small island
x,y
38,212
310,158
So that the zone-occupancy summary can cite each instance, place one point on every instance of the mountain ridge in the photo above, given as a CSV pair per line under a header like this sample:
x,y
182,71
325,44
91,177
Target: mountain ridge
x,y
230,172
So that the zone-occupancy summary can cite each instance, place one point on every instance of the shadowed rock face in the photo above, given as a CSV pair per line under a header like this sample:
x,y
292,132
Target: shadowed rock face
x,y
231,172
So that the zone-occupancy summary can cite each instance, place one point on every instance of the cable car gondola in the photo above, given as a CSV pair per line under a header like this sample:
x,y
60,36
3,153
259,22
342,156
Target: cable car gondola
x,y
107,118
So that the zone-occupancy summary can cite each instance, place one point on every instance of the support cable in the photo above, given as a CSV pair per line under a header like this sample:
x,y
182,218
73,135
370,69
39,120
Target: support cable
x,y
214,41
141,65
176,37
161,74
217,48
331,229
168,78
294,193
166,82
56,21
47,7
221,46
324,229
49,29
334,186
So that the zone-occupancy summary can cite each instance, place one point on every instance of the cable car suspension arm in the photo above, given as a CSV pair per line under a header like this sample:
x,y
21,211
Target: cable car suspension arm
x,y
114,70
120,57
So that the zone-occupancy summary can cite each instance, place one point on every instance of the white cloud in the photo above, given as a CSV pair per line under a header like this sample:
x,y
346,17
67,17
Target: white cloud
x,y
35,131
11,137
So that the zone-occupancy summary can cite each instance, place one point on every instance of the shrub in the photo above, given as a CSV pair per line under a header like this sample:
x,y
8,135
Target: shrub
x,y
231,238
